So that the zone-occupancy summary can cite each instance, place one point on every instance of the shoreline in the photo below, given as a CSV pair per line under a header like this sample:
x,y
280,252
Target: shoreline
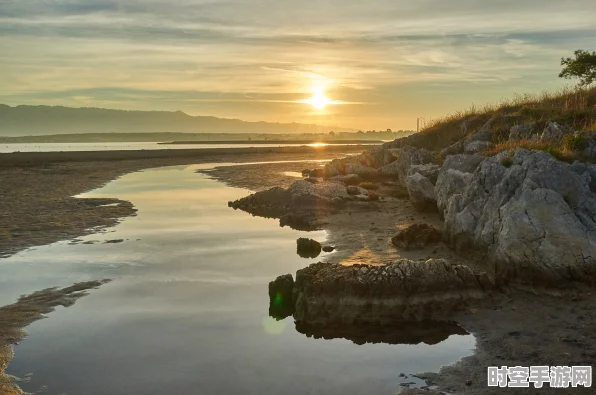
x,y
511,332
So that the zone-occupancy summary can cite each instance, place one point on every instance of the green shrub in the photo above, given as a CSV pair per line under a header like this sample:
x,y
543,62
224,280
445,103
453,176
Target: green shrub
x,y
507,161
576,142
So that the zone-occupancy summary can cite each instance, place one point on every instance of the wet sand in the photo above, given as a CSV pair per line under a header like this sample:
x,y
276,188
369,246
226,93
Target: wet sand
x,y
518,329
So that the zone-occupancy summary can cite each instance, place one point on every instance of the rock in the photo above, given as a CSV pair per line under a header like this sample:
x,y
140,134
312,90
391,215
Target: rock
x,y
326,294
416,236
280,297
525,131
463,163
407,156
354,190
306,173
477,146
555,132
449,183
348,179
421,192
328,248
390,170
334,168
372,196
361,170
308,248
536,219
429,170
113,241
317,173
311,180
453,149
296,206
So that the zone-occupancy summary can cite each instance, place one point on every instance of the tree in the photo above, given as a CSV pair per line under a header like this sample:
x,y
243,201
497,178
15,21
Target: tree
x,y
583,66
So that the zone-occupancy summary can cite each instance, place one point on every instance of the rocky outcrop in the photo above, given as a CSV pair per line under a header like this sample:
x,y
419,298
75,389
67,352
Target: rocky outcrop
x,y
534,218
421,192
477,146
463,163
308,248
348,179
298,206
406,290
416,236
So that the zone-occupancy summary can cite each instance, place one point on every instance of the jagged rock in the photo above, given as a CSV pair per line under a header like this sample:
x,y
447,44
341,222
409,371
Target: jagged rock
x,y
449,183
280,297
453,149
406,290
391,169
333,168
536,219
407,156
390,155
360,170
463,163
555,132
421,192
416,236
429,170
308,248
373,157
524,131
348,179
484,134
477,146
590,150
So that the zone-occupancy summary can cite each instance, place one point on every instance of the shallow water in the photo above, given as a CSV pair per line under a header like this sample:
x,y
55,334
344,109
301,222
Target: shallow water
x,y
128,146
187,312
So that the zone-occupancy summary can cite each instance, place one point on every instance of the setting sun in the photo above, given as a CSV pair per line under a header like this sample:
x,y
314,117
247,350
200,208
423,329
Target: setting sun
x,y
319,101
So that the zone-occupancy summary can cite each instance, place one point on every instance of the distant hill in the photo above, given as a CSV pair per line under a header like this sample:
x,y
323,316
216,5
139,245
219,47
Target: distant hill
x,y
46,120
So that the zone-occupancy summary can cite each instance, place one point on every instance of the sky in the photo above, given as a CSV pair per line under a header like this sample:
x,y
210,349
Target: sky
x,y
382,63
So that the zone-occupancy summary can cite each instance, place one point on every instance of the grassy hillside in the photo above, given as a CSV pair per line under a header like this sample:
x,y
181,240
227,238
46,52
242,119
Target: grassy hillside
x,y
571,107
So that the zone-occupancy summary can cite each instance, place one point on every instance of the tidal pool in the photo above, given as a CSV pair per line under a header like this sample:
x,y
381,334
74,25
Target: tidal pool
x,y
187,310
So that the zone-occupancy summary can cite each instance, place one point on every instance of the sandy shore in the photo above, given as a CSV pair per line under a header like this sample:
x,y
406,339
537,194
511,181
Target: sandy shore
x,y
37,207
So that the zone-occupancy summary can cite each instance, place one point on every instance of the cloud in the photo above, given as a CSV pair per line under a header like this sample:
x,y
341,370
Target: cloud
x,y
214,56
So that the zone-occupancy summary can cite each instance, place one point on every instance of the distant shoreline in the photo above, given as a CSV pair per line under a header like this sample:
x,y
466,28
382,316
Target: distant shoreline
x,y
297,142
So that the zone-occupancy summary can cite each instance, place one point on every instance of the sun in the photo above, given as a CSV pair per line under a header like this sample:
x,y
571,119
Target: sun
x,y
319,101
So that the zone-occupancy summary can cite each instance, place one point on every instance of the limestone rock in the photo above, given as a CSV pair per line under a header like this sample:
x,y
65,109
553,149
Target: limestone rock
x,y
421,192
406,290
463,163
555,132
524,131
477,146
354,190
429,170
535,218
449,183
416,236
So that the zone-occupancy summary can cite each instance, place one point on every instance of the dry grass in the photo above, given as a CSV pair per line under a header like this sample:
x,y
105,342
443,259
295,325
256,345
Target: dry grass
x,y
559,151
572,107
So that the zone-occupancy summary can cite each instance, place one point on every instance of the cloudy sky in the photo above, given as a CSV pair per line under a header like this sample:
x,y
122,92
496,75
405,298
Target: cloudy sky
x,y
386,61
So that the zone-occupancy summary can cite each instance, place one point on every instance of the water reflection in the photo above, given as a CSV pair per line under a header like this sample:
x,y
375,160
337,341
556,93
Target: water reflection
x,y
186,312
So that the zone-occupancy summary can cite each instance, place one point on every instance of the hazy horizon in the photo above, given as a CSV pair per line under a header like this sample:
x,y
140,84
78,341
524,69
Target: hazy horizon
x,y
360,66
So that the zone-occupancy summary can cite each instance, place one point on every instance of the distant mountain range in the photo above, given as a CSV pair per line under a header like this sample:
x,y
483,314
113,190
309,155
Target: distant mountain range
x,y
46,120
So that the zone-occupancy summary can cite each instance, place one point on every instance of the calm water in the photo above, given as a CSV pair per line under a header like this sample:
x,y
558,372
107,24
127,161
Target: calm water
x,y
187,312
55,147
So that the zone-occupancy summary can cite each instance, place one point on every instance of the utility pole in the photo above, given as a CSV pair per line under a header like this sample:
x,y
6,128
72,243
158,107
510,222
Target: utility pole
x,y
418,123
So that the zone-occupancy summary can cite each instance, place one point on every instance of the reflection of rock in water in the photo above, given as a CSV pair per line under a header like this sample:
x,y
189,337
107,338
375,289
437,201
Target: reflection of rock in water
x,y
280,297
308,248
429,332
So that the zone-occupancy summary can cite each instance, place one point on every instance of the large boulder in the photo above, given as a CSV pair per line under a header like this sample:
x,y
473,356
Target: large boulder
x,y
535,217
326,294
407,156
421,192
416,236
